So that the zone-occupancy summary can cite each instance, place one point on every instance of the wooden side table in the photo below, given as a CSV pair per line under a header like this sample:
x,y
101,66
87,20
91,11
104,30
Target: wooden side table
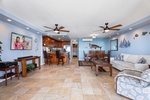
x,y
10,74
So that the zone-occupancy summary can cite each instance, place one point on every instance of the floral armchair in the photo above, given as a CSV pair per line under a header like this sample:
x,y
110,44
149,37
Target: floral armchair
x,y
133,84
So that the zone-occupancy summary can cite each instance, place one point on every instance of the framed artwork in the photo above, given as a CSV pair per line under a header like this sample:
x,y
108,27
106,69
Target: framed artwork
x,y
20,42
114,45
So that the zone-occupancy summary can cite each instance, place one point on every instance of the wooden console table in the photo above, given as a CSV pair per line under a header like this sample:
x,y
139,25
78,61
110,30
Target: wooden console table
x,y
24,64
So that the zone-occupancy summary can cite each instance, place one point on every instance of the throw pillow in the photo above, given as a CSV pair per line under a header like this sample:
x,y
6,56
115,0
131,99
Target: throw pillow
x,y
142,61
146,76
116,57
122,57
119,57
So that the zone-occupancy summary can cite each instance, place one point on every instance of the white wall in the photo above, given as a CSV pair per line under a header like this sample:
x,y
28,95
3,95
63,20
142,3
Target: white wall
x,y
10,55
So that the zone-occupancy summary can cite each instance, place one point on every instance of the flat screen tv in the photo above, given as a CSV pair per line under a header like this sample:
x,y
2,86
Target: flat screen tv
x,y
20,42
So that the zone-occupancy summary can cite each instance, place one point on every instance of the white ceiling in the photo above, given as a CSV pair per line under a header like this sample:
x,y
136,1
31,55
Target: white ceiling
x,y
81,17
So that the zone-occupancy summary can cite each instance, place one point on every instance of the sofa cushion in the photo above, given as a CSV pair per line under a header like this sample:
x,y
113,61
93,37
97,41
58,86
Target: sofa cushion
x,y
142,61
146,76
141,67
124,64
132,58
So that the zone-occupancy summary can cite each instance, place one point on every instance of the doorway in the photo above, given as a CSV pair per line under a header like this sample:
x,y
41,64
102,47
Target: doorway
x,y
75,50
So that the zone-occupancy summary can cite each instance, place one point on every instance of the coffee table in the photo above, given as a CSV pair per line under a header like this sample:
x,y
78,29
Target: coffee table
x,y
99,64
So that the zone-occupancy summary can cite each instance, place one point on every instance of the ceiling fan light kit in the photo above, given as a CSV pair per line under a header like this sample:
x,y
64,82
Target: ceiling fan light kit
x,y
56,29
107,29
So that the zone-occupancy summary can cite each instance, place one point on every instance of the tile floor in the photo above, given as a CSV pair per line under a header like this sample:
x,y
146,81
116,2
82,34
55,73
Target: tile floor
x,y
68,82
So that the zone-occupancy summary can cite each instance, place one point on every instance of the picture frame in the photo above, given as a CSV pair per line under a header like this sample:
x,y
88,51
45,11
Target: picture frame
x,y
20,42
114,45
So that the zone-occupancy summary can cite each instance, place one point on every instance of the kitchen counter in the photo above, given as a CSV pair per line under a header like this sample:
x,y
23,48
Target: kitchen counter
x,y
60,52
54,59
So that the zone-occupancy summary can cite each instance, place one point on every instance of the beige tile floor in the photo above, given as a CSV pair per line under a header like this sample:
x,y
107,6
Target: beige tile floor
x,y
68,82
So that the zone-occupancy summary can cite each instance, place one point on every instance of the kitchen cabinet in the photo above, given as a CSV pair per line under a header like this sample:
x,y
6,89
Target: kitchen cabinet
x,y
49,42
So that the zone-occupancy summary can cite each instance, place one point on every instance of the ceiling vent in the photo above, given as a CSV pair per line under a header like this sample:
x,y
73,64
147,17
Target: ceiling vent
x,y
87,40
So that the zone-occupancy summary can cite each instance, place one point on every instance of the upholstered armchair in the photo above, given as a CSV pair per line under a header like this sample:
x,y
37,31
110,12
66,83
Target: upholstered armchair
x,y
133,84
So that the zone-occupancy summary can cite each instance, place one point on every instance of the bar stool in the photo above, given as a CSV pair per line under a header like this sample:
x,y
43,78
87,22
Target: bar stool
x,y
47,58
59,57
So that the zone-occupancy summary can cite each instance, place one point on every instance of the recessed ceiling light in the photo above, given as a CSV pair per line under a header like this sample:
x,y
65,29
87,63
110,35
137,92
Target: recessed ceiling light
x,y
94,36
9,20
27,28
130,28
38,32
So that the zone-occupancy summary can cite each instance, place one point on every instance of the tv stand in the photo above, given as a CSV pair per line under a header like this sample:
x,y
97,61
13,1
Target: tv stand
x,y
24,60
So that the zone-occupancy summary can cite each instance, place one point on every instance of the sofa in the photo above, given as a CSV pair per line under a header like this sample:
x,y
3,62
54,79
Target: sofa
x,y
130,61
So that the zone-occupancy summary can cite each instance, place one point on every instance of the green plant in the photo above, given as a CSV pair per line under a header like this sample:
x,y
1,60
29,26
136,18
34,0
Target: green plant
x,y
0,50
30,66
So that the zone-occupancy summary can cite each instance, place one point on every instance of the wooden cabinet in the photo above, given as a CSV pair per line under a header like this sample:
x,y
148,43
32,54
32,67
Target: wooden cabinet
x,y
66,43
61,44
53,43
49,42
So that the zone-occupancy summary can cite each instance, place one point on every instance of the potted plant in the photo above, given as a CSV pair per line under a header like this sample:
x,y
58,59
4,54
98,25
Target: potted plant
x,y
0,50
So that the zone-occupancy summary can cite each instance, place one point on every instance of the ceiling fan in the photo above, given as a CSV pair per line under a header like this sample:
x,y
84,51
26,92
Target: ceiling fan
x,y
107,29
56,29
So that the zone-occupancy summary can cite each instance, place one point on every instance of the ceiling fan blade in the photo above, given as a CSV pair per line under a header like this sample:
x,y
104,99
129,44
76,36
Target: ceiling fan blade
x,y
115,26
64,30
61,27
48,27
114,29
49,30
101,26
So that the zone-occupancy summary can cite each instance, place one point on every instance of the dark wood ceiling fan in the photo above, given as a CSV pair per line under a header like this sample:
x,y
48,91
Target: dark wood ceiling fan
x,y
56,29
106,28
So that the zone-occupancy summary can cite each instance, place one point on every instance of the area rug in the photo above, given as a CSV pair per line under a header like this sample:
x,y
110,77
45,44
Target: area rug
x,y
83,63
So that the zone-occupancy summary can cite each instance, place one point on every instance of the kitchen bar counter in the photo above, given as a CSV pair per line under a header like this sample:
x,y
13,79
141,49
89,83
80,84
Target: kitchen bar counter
x,y
54,59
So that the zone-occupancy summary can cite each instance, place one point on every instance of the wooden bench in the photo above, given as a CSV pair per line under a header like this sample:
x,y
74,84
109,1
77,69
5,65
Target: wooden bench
x,y
10,74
